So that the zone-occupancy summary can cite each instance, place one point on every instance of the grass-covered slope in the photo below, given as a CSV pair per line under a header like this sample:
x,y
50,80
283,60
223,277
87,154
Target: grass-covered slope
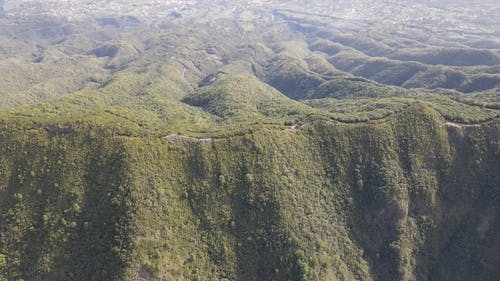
x,y
408,198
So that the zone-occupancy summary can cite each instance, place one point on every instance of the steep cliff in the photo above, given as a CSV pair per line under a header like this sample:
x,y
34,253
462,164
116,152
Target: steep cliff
x,y
410,197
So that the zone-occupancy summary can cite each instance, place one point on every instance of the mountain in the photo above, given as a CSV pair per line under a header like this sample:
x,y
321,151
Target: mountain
x,y
241,98
249,140
412,197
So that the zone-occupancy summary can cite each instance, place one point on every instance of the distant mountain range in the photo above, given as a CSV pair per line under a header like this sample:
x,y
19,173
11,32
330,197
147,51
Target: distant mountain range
x,y
261,140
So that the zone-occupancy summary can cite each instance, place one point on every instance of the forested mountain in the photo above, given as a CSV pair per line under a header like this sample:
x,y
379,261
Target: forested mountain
x,y
249,140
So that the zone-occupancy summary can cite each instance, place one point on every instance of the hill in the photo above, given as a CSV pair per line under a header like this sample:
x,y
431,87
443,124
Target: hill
x,y
249,140
356,202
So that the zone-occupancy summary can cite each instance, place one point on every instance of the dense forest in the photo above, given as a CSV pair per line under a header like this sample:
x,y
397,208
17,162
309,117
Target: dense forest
x,y
262,140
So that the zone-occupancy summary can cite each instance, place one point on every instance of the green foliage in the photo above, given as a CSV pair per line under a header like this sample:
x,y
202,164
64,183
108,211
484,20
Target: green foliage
x,y
242,98
139,208
249,149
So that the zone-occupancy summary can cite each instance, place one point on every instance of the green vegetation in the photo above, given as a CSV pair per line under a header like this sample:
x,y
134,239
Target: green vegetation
x,y
228,141
357,202
242,98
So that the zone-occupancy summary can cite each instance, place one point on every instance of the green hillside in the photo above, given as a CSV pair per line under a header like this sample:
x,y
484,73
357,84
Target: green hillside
x,y
242,98
249,141
391,200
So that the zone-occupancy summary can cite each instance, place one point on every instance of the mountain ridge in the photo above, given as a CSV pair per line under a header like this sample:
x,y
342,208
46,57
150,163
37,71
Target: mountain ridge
x,y
249,140
195,180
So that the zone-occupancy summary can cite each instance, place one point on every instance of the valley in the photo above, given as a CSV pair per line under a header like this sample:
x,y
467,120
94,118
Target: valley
x,y
249,140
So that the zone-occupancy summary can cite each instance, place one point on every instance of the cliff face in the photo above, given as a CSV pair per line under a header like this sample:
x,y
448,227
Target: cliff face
x,y
408,198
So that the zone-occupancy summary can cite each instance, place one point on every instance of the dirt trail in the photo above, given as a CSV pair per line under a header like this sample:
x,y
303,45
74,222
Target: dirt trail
x,y
460,125
292,128
208,142
178,138
184,71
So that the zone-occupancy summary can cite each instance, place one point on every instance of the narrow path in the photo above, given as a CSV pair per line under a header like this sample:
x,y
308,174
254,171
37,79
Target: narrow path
x,y
208,142
292,128
178,138
184,70
461,125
